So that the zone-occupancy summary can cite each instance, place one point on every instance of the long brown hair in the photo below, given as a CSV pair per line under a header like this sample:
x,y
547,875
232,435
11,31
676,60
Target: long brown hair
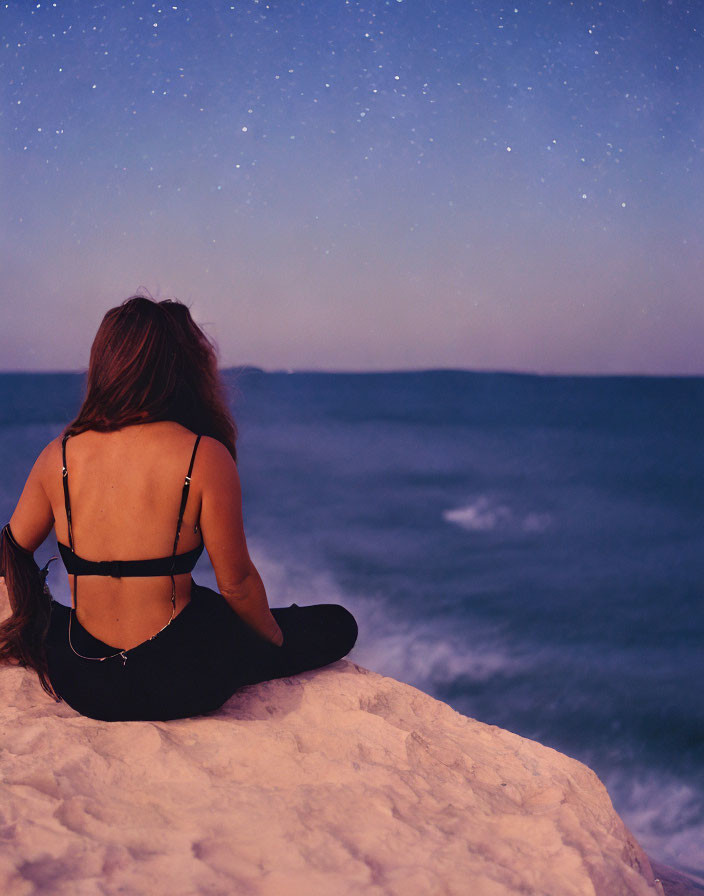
x,y
149,361
23,633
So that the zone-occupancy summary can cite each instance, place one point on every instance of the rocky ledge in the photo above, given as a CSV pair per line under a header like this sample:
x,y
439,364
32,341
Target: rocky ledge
x,y
336,781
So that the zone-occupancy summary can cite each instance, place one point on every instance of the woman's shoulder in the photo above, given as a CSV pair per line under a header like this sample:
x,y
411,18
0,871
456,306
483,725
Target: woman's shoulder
x,y
212,458
213,455
50,456
211,461
48,464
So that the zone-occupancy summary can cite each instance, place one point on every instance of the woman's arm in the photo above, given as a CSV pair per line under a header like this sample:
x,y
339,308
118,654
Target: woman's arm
x,y
223,535
23,633
33,518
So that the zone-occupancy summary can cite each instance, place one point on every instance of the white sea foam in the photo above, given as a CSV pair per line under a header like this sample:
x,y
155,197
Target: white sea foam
x,y
665,814
427,655
428,660
484,514
479,516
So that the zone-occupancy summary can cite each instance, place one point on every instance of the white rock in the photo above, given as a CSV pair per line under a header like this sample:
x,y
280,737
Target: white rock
x,y
337,781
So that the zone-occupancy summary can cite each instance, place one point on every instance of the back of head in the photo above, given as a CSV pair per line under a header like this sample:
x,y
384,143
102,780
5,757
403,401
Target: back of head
x,y
150,361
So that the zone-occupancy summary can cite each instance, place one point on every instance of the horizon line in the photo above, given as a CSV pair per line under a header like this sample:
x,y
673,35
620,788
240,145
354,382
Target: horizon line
x,y
242,368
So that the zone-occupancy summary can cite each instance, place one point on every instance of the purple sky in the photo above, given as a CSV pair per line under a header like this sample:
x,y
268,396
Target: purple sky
x,y
351,186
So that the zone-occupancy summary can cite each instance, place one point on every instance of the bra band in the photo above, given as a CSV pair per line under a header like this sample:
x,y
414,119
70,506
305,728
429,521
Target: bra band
x,y
120,569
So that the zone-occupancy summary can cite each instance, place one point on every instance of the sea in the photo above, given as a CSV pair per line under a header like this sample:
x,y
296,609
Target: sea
x,y
527,548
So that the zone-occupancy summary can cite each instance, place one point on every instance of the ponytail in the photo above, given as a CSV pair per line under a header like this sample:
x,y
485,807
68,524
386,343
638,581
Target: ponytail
x,y
23,633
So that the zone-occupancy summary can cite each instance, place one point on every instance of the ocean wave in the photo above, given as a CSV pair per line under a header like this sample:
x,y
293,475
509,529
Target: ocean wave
x,y
426,654
667,816
484,515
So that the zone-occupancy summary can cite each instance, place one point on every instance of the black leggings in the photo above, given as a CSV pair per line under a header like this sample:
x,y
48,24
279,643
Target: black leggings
x,y
196,663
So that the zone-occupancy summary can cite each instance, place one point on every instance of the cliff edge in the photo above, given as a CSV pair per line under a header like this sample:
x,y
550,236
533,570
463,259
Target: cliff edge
x,y
336,781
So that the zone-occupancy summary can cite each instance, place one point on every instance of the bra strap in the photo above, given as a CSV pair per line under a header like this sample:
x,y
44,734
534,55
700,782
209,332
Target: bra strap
x,y
67,500
184,497
67,503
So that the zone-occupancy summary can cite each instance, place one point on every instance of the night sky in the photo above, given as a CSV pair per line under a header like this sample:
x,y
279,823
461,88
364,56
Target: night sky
x,y
347,186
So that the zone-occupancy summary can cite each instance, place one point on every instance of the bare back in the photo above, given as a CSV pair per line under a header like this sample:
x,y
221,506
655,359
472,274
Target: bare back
x,y
125,489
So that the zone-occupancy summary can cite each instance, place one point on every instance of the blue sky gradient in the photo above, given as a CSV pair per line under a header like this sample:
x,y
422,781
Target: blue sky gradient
x,y
355,186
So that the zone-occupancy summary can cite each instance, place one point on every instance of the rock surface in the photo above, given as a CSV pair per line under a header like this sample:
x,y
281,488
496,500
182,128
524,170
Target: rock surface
x,y
336,781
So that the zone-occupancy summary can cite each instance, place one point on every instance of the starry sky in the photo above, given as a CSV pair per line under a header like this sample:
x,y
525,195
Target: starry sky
x,y
344,185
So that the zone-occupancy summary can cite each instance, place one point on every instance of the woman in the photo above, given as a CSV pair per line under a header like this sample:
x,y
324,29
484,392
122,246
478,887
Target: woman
x,y
138,484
